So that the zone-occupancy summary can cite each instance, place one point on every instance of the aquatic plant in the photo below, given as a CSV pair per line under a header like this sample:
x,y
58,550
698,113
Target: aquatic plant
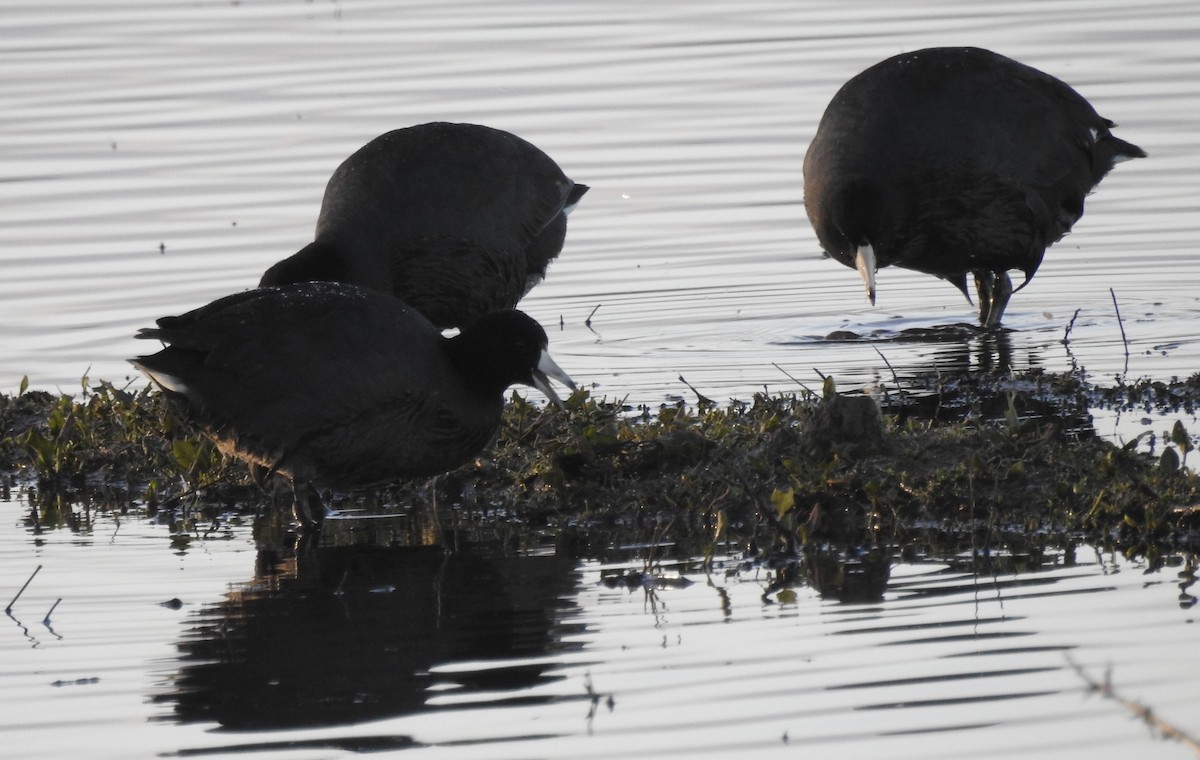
x,y
105,436
1000,458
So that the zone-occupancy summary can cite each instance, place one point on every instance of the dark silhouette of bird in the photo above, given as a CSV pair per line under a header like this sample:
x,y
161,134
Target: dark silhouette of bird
x,y
952,161
456,220
340,386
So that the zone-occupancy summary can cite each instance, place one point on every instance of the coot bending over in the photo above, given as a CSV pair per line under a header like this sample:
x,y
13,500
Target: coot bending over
x,y
456,220
954,160
337,385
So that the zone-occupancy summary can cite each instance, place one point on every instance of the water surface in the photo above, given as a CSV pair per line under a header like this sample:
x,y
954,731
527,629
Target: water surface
x,y
155,156
168,642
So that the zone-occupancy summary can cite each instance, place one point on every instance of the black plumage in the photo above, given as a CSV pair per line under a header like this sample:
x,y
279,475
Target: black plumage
x,y
952,161
337,385
456,220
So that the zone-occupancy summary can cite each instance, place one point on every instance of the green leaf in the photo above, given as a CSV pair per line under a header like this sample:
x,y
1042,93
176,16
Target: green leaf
x,y
24,386
783,501
41,449
185,453
577,399
602,436
1169,460
976,464
1180,437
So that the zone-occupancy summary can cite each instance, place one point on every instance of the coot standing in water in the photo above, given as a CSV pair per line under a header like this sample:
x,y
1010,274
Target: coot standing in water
x,y
952,161
341,386
456,220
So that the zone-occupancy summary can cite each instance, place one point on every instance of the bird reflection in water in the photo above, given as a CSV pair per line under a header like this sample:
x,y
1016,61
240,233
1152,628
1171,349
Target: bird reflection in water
x,y
954,372
333,635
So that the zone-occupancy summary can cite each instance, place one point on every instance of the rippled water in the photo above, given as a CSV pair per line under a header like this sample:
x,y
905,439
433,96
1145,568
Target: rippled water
x,y
182,644
154,156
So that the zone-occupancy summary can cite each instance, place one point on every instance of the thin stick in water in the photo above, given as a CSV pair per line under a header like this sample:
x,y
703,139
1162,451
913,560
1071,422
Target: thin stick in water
x,y
1137,709
895,377
53,607
8,609
701,400
794,380
1121,324
1066,339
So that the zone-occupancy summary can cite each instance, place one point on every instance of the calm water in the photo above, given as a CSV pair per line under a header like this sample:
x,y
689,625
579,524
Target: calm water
x,y
154,156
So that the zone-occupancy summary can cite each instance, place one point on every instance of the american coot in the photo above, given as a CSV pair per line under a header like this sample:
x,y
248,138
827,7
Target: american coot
x,y
456,220
954,160
339,385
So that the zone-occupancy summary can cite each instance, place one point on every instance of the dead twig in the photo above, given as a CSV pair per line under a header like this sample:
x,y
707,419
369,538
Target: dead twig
x,y
1066,338
701,400
794,380
8,609
53,607
1137,709
1121,324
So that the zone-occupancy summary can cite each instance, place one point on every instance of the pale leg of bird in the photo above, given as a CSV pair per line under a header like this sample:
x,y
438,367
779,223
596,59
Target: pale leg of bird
x,y
433,513
1000,290
261,476
307,506
985,282
268,482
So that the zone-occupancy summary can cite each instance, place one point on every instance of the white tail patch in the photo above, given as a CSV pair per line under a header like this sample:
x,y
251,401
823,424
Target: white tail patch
x,y
165,381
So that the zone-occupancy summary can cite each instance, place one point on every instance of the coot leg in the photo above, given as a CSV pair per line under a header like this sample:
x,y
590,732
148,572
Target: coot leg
x,y
994,288
984,281
261,476
307,505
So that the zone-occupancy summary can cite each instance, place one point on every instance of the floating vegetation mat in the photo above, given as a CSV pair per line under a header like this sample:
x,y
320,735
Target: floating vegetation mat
x,y
977,461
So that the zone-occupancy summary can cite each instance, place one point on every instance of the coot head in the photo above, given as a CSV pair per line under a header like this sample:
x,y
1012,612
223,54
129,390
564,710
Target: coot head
x,y
513,349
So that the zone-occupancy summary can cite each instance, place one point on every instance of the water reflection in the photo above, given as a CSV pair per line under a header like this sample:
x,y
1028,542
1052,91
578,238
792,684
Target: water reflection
x,y
342,634
967,372
467,653
950,349
862,578
964,349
